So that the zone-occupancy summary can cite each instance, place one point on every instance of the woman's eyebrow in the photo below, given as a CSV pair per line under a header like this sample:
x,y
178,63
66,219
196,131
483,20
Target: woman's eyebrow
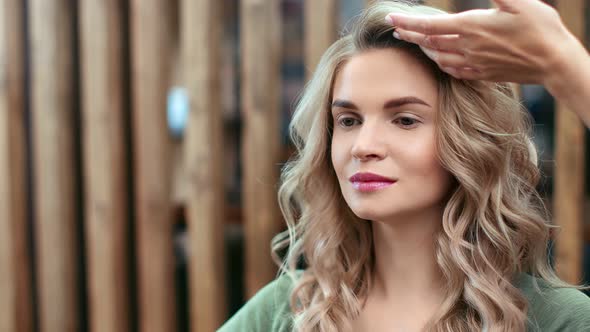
x,y
393,103
403,101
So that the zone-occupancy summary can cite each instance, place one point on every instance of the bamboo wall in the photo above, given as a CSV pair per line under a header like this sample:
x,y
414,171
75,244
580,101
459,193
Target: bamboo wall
x,y
91,181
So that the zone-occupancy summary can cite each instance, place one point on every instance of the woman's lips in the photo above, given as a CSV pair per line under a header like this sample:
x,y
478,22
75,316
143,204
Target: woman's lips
x,y
370,186
368,182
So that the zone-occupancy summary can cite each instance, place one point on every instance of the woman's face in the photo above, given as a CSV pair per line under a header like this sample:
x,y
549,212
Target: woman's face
x,y
384,106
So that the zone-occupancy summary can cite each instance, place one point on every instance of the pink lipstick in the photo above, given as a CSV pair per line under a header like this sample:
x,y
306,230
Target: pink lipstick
x,y
369,182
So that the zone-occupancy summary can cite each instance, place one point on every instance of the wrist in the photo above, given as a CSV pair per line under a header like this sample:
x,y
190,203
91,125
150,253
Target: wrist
x,y
564,65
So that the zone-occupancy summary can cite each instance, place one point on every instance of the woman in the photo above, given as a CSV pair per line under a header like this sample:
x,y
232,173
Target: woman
x,y
411,201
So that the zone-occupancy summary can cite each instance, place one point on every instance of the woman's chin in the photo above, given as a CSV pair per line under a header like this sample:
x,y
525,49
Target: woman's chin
x,y
369,214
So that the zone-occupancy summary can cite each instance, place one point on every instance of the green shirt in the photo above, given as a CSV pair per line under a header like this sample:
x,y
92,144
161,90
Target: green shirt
x,y
552,310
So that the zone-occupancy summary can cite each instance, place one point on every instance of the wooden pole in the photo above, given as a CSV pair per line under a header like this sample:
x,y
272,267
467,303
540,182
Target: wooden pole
x,y
152,37
7,259
16,312
260,36
569,171
52,85
203,153
320,30
104,160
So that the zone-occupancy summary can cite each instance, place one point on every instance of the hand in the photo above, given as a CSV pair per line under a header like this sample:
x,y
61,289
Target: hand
x,y
522,41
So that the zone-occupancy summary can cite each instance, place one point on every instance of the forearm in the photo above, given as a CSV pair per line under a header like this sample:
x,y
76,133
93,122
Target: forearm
x,y
569,79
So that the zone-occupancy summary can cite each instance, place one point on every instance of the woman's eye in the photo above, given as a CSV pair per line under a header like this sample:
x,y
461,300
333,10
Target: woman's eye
x,y
347,122
406,121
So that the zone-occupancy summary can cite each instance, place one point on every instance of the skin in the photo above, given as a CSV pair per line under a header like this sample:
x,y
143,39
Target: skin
x,y
522,41
396,142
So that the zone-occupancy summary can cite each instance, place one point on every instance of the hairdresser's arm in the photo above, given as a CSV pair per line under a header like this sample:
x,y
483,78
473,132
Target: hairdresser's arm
x,y
569,81
522,41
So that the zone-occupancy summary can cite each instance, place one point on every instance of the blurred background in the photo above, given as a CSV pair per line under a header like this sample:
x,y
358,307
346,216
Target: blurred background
x,y
141,143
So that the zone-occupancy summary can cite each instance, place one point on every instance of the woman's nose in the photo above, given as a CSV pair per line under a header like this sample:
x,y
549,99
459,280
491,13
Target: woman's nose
x,y
368,144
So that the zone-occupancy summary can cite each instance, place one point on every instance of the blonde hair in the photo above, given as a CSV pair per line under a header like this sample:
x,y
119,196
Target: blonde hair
x,y
494,226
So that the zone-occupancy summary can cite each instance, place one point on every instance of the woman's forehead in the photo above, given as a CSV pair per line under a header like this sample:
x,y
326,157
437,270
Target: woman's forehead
x,y
385,74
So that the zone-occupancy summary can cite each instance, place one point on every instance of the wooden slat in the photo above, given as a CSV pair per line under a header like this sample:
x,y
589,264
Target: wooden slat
x,y
7,259
152,35
106,223
203,153
260,38
16,312
320,30
52,85
569,170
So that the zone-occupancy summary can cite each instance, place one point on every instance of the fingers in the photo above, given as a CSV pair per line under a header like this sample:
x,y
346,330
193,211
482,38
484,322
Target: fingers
x,y
454,64
465,73
444,24
510,6
448,43
446,59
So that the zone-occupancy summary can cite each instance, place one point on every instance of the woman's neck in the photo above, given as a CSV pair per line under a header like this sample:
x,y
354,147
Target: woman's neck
x,y
405,262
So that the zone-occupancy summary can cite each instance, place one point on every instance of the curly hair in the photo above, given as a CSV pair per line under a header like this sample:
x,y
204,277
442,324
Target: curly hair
x,y
494,227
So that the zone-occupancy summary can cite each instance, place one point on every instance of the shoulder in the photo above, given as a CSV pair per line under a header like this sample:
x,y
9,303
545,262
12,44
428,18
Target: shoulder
x,y
268,310
555,309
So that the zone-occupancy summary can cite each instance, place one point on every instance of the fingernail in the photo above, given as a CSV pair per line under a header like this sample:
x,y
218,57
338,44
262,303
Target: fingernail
x,y
396,35
450,70
429,53
388,19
